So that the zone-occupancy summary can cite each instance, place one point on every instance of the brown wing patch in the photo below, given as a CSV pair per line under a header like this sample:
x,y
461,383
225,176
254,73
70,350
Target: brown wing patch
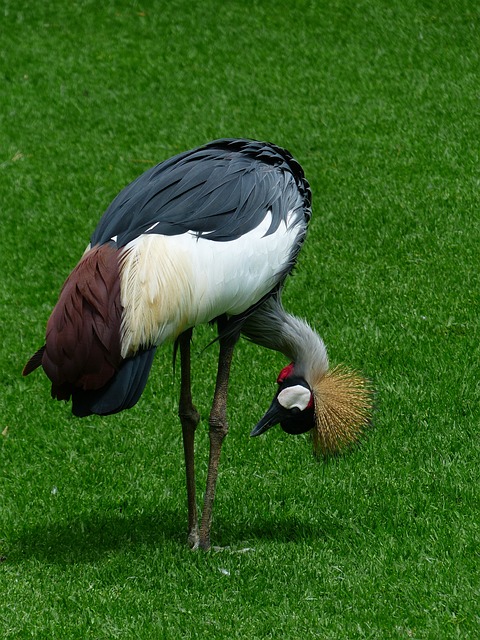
x,y
83,332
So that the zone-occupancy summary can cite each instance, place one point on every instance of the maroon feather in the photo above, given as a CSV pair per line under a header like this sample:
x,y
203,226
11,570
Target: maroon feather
x,y
34,362
83,333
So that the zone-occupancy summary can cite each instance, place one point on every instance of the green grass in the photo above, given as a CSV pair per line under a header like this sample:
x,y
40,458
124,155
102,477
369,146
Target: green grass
x,y
379,101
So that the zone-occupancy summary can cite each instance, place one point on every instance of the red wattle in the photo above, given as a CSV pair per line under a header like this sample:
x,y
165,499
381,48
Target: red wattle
x,y
285,373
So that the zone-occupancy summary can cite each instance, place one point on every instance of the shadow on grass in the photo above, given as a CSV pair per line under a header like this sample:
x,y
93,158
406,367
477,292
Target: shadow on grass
x,y
280,529
88,538
85,540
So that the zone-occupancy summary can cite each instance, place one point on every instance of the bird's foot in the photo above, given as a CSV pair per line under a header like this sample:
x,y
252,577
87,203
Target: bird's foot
x,y
197,541
193,539
204,543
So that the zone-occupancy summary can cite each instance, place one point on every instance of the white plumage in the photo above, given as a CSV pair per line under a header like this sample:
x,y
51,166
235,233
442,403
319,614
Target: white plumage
x,y
172,283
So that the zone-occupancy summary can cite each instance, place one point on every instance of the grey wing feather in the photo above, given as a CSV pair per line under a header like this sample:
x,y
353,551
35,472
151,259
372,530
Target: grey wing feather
x,y
122,392
219,192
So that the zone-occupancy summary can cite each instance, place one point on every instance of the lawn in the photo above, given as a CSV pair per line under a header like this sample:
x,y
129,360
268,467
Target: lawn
x,y
380,102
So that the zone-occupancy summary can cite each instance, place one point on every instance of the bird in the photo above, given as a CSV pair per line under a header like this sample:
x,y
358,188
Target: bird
x,y
207,236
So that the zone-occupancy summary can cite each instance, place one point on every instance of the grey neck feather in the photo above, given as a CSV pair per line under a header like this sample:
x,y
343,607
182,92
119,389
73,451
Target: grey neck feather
x,y
272,327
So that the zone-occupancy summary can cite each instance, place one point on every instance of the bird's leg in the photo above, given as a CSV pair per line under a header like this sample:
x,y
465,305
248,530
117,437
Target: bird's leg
x,y
189,418
218,431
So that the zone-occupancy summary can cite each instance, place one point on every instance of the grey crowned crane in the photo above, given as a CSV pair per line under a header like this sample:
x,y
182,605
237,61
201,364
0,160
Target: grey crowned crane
x,y
208,235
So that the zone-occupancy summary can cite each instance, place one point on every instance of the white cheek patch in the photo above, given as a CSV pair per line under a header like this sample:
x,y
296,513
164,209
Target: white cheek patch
x,y
294,397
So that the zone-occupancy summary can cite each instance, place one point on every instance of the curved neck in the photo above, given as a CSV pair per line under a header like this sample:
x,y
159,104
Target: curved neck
x,y
272,327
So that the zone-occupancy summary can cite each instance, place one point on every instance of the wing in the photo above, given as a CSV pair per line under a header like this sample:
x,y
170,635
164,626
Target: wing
x,y
220,192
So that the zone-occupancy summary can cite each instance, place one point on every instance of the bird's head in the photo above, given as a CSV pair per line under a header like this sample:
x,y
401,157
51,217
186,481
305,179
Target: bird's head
x,y
292,406
336,408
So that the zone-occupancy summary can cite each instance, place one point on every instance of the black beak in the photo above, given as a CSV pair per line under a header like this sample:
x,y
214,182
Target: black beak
x,y
273,416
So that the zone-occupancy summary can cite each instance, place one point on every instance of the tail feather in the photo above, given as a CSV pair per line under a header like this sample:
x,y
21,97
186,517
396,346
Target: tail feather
x,y
34,362
122,392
